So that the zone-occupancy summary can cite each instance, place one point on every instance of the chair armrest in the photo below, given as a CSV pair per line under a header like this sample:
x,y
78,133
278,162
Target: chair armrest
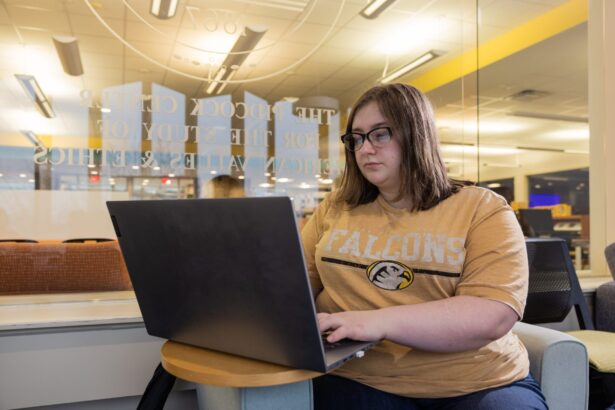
x,y
559,362
605,307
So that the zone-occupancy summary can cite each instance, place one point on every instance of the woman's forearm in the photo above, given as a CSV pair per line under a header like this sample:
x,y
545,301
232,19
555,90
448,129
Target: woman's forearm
x,y
448,325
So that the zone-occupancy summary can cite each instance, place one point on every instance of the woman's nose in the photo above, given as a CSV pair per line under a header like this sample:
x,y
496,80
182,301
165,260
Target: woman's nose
x,y
367,147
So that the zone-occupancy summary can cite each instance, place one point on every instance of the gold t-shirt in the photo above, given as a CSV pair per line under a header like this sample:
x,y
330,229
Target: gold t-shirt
x,y
374,256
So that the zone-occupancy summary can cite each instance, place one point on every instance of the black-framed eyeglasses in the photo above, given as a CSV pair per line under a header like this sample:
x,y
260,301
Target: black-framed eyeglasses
x,y
378,137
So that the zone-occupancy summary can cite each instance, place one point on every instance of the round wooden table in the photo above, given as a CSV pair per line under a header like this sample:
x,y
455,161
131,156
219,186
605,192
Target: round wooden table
x,y
225,381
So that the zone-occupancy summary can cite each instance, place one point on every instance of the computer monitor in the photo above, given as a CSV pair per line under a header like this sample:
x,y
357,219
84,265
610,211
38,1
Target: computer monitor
x,y
536,222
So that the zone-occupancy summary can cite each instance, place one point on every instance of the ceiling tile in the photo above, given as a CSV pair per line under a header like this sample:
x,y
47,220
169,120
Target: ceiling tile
x,y
105,8
89,25
8,35
352,39
160,53
103,45
95,59
53,21
511,13
159,34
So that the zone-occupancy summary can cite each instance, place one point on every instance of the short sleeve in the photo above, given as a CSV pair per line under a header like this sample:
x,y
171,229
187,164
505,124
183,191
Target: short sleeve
x,y
496,265
310,236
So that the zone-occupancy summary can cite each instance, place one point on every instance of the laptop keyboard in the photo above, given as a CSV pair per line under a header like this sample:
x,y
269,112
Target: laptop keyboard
x,y
328,345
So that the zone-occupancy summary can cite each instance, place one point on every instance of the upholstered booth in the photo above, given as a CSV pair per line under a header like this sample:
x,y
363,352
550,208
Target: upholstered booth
x,y
56,267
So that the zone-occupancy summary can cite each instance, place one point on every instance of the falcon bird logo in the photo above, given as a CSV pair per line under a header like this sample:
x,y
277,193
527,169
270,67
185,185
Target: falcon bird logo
x,y
390,275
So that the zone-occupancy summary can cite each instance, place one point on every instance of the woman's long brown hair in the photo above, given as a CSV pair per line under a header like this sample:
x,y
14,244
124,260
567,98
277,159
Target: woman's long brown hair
x,y
423,172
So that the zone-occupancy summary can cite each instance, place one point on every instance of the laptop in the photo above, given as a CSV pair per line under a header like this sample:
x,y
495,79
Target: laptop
x,y
228,275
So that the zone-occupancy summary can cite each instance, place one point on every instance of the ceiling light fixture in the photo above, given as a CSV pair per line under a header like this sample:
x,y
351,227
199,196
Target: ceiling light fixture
x,y
375,8
236,57
32,137
546,116
33,90
68,51
414,64
164,9
224,84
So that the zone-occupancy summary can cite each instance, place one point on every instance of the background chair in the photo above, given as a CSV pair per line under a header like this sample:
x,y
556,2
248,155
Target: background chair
x,y
605,296
553,291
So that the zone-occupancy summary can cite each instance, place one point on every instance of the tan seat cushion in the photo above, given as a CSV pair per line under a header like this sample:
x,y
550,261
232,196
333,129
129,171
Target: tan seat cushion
x,y
600,347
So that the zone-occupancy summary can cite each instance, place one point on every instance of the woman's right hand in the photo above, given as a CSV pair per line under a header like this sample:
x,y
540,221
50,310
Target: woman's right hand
x,y
365,325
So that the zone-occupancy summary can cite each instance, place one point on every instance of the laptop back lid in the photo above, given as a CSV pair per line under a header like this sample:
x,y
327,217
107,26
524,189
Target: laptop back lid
x,y
225,274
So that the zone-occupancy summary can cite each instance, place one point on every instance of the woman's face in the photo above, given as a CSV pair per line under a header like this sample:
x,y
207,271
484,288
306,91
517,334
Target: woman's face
x,y
381,166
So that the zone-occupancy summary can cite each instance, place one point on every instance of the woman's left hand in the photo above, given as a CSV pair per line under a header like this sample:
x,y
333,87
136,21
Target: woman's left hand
x,y
363,325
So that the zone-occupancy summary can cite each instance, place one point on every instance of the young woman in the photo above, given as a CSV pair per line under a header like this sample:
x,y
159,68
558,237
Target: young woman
x,y
435,269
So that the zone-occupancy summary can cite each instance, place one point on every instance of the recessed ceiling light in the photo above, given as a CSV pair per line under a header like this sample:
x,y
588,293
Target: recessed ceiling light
x,y
375,8
405,69
164,9
33,138
33,90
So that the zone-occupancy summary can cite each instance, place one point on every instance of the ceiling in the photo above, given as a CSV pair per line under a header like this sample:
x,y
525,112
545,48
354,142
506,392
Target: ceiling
x,y
311,47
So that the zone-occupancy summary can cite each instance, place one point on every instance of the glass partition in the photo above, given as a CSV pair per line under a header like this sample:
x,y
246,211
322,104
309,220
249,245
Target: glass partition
x,y
532,110
140,99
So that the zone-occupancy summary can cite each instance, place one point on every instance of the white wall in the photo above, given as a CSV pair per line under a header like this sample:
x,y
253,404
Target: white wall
x,y
602,130
79,364
56,214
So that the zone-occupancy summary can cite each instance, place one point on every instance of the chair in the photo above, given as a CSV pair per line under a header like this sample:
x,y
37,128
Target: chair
x,y
605,296
536,222
553,291
553,284
559,363
19,240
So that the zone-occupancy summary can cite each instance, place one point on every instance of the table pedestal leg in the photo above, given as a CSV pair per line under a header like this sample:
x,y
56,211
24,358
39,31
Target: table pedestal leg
x,y
292,396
